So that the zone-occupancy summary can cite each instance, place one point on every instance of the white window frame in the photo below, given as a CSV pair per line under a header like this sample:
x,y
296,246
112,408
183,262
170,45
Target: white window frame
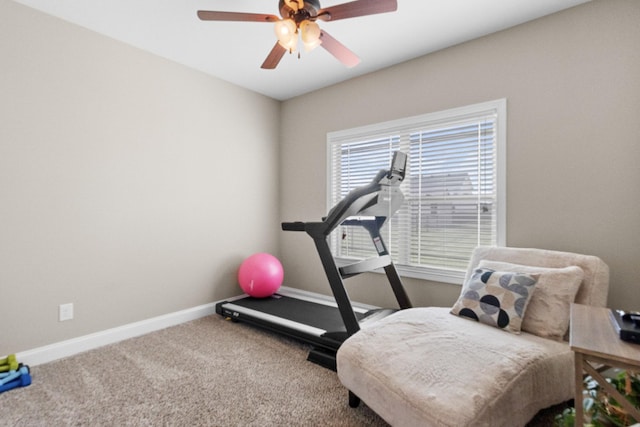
x,y
396,127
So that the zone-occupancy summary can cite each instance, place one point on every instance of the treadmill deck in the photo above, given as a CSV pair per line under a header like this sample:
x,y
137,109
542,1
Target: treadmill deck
x,y
309,313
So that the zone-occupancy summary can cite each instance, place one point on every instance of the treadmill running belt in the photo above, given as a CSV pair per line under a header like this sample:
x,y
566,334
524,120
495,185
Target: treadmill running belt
x,y
309,313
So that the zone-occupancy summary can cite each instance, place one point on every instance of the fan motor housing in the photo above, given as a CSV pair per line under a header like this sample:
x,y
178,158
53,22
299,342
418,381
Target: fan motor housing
x,y
310,10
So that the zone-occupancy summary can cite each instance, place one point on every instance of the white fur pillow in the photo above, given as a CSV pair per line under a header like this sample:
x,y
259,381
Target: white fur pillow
x,y
548,311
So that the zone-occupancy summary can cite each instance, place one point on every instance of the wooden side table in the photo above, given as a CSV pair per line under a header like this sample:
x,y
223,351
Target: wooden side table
x,y
593,339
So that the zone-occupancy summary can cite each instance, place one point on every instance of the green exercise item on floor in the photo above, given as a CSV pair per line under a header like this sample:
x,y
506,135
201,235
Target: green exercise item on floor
x,y
9,363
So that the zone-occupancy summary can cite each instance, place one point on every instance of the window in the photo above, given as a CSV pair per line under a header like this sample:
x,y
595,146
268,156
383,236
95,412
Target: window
x,y
454,187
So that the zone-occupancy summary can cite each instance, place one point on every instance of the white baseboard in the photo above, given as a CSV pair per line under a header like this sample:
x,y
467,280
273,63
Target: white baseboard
x,y
49,353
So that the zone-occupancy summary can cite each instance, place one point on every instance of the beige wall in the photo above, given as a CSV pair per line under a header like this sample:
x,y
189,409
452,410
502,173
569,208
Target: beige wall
x,y
572,83
119,187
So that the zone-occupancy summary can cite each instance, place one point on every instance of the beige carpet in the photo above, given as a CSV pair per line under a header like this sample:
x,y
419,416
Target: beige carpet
x,y
209,372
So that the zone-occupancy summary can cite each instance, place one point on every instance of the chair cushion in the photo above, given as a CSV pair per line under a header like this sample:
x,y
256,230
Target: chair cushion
x,y
548,311
423,366
496,298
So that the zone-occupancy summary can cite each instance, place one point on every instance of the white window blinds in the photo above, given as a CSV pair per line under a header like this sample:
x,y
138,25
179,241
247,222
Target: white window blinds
x,y
454,187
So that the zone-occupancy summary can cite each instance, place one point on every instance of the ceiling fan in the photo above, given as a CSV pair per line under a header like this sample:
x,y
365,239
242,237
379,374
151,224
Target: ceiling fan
x,y
299,18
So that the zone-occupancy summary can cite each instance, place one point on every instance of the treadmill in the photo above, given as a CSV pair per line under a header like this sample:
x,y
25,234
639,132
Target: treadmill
x,y
325,322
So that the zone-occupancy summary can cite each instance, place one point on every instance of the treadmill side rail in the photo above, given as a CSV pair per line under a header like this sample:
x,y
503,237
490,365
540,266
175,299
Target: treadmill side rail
x,y
234,311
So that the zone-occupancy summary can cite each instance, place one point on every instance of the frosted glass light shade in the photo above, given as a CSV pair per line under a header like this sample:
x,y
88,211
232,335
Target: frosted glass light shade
x,y
286,33
310,33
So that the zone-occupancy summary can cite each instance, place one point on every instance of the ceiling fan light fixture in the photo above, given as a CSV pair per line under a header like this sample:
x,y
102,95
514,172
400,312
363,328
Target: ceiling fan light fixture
x,y
310,34
286,31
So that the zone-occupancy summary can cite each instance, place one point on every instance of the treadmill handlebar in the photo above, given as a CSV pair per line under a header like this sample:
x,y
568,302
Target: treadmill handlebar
x,y
293,226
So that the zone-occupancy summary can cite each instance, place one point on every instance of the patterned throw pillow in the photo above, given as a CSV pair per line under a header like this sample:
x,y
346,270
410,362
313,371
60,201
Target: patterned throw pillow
x,y
496,298
548,311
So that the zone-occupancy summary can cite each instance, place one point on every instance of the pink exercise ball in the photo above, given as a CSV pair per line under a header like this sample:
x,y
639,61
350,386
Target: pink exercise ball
x,y
260,275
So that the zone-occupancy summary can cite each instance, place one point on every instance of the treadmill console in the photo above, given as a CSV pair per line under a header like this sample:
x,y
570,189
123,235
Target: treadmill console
x,y
398,166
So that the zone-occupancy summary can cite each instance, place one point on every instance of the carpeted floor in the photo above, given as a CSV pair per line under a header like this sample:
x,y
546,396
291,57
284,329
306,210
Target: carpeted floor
x,y
208,372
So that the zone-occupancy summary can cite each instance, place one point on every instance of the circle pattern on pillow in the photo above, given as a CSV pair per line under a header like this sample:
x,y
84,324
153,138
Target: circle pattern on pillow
x,y
496,298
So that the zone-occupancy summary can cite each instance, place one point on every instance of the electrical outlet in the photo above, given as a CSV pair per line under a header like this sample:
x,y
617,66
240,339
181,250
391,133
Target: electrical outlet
x,y
65,312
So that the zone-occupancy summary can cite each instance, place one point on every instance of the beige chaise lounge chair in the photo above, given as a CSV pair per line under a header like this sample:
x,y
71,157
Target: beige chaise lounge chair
x,y
429,367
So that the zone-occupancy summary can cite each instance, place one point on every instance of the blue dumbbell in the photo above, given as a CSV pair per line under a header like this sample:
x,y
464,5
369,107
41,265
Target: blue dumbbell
x,y
12,375
20,366
23,379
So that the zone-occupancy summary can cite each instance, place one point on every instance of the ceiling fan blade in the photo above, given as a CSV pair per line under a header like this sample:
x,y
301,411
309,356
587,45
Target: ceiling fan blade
x,y
337,49
357,8
274,57
208,15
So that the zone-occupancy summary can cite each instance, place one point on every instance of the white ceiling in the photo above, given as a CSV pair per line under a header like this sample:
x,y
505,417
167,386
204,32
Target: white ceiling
x,y
234,51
